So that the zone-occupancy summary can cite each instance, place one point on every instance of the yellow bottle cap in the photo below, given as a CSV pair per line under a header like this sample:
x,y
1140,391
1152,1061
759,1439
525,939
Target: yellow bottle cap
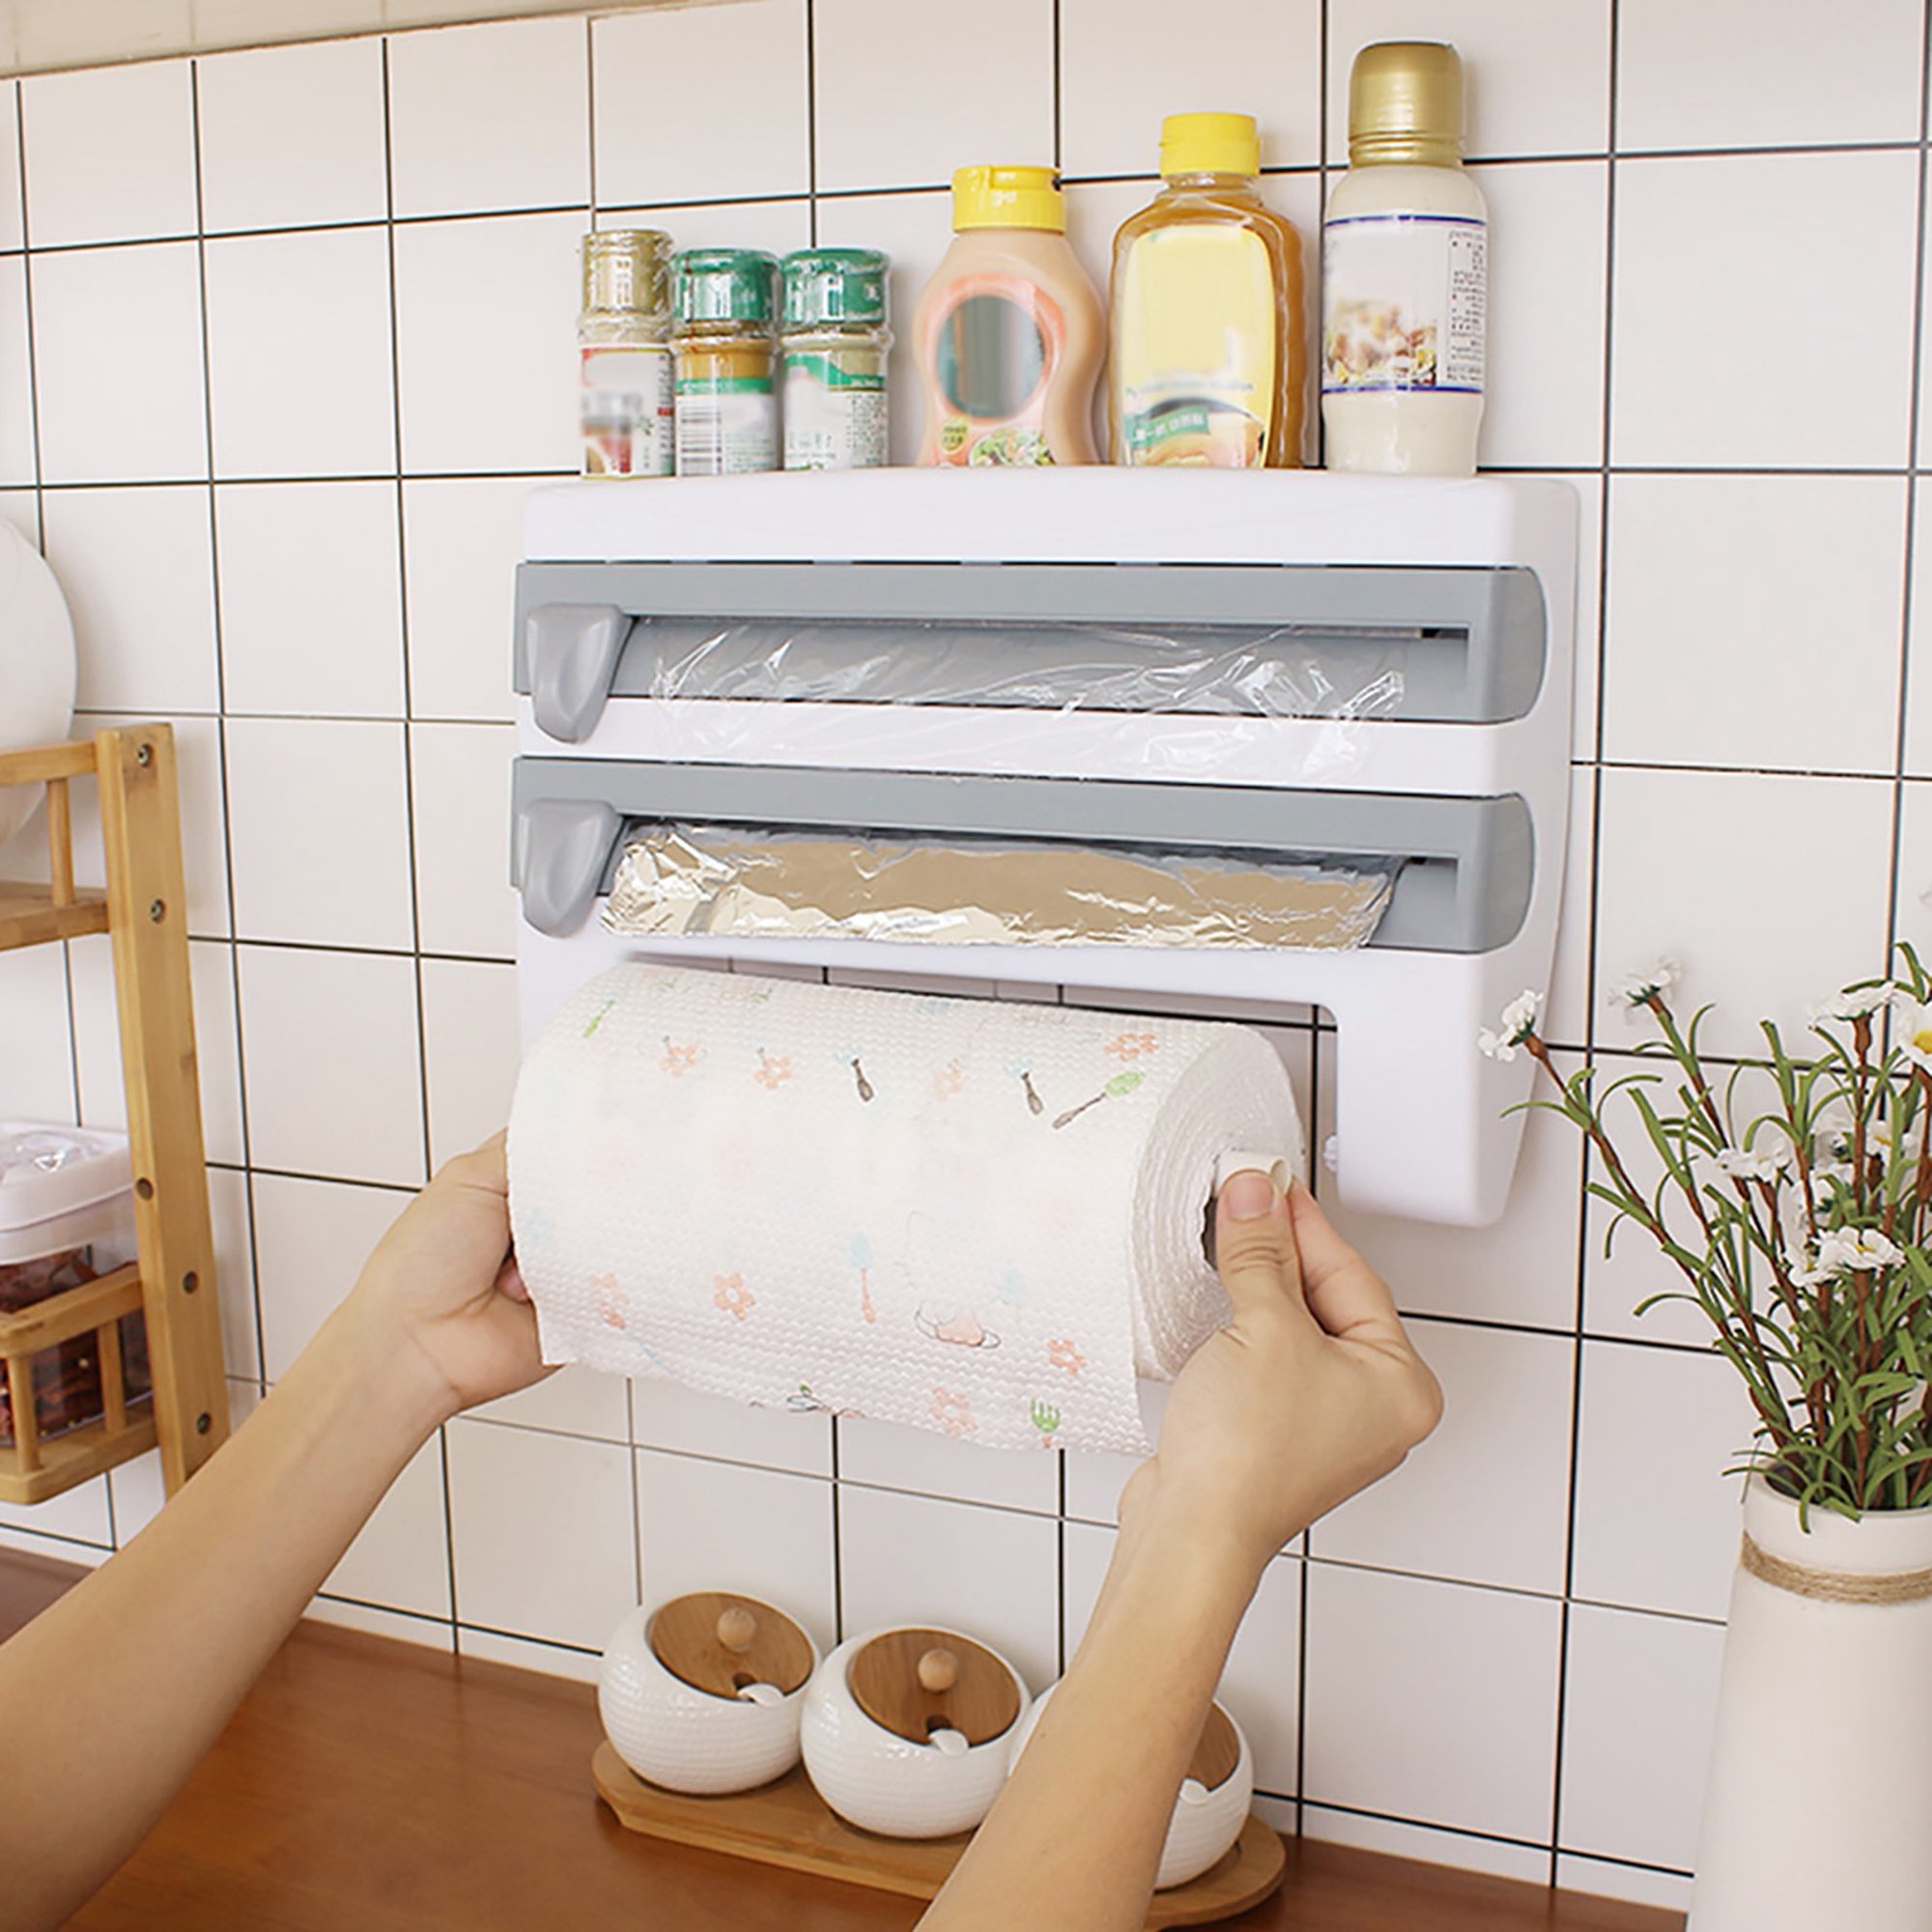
x,y
1008,198
1405,105
1209,143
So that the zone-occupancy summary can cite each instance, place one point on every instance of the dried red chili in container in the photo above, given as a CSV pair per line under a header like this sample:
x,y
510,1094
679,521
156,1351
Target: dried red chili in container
x,y
66,1216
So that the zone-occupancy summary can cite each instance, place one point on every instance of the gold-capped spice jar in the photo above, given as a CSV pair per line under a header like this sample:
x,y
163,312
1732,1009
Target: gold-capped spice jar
x,y
834,344
724,349
623,338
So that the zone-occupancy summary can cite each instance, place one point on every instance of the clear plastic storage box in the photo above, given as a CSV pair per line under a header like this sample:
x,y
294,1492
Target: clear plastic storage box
x,y
66,1215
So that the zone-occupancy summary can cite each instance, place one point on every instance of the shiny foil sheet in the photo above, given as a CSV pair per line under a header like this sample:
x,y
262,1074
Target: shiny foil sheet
x,y
731,882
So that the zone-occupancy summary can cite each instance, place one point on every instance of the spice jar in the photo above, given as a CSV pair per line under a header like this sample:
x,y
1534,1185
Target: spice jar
x,y
726,353
623,345
835,341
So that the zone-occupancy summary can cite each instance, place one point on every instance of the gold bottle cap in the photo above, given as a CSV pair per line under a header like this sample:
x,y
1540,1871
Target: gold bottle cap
x,y
627,270
1405,105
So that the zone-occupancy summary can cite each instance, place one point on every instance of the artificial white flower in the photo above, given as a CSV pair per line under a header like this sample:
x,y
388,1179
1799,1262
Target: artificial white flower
x,y
1915,1138
1825,1175
1764,1162
1798,1265
1841,1248
1635,990
1914,1033
1854,1003
1518,1020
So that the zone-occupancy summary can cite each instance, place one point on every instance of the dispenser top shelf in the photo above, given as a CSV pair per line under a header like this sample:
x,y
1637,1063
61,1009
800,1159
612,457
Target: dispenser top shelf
x,y
1101,515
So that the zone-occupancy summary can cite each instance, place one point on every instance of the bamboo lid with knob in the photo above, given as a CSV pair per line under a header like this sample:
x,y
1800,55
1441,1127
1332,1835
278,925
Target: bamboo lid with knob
x,y
916,1683
719,1643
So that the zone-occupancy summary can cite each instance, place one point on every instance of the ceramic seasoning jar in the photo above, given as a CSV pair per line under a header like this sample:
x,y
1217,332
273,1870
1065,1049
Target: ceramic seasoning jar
x,y
726,349
624,352
703,1693
908,1732
1212,1806
1009,333
835,347
1405,251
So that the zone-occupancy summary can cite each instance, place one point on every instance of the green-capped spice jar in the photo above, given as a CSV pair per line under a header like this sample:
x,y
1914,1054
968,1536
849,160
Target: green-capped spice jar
x,y
725,346
835,342
624,352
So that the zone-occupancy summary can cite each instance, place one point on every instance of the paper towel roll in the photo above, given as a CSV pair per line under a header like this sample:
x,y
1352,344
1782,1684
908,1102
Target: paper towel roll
x,y
976,1217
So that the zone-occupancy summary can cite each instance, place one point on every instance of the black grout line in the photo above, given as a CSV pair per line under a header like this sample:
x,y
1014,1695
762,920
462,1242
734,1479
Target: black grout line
x,y
837,1491
590,113
1316,1172
414,857
1056,55
1060,1568
524,1637
811,120
249,479
428,1617
234,963
1914,412
1608,401
40,519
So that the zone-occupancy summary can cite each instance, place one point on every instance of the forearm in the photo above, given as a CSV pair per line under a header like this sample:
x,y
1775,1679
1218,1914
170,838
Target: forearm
x,y
112,1697
1086,1808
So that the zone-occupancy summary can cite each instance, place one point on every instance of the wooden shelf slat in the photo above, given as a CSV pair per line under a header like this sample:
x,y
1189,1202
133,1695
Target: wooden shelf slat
x,y
76,1457
72,1312
28,916
37,763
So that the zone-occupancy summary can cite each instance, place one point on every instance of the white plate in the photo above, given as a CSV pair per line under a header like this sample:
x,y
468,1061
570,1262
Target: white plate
x,y
37,665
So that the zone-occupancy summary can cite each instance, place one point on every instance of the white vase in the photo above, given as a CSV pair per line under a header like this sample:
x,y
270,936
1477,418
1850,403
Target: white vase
x,y
1820,1772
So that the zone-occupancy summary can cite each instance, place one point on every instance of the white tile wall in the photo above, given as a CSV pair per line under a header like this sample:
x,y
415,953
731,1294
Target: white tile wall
x,y
285,337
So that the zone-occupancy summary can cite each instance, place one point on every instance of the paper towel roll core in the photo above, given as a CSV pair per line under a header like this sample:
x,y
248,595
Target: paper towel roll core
x,y
973,1216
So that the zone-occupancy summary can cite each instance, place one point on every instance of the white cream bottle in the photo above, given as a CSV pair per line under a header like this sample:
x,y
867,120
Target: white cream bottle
x,y
1404,261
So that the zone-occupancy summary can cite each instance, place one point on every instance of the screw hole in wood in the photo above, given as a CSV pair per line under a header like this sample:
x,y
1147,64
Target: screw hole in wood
x,y
203,1423
190,1281
145,1188
157,910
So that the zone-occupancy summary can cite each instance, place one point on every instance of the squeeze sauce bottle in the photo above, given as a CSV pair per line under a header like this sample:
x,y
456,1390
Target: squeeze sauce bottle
x,y
1209,365
1007,333
1405,255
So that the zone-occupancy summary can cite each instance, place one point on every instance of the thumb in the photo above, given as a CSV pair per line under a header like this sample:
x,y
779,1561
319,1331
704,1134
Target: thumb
x,y
1255,1251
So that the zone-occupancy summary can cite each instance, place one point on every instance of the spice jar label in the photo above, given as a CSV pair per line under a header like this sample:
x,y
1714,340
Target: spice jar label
x,y
835,415
1407,302
626,410
727,425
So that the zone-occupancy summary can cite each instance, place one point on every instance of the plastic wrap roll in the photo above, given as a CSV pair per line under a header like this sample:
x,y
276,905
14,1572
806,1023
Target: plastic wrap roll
x,y
975,1217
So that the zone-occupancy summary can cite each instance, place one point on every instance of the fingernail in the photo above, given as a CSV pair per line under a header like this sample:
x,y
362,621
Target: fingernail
x,y
1248,1195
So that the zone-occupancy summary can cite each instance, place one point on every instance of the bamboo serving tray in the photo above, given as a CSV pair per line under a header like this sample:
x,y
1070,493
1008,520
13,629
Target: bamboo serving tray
x,y
788,1823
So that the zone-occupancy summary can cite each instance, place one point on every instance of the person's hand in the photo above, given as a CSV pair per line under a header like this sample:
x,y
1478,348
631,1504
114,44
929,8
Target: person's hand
x,y
1309,1394
445,1284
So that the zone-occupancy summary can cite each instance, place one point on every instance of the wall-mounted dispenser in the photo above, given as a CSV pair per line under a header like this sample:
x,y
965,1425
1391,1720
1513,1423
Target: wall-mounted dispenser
x,y
1287,677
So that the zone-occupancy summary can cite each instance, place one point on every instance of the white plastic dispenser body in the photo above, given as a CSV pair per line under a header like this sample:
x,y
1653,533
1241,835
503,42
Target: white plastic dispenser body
x,y
944,658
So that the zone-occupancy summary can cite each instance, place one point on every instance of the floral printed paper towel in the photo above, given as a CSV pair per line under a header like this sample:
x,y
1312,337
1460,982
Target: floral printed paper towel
x,y
971,1216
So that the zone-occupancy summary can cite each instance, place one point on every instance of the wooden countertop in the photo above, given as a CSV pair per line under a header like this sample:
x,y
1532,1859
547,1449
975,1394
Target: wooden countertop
x,y
374,1784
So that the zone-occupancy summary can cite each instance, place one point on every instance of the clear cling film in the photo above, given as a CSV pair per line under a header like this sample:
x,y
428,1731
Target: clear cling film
x,y
682,880
1259,671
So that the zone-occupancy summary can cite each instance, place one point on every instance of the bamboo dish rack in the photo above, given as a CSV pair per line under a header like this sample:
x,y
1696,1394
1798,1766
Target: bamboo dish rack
x,y
143,911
